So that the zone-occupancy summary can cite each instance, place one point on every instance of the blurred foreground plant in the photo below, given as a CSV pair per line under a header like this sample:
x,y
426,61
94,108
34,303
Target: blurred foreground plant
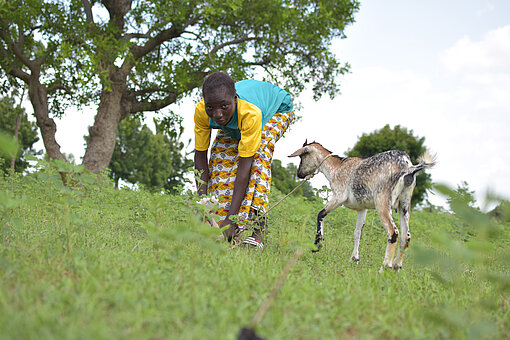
x,y
476,263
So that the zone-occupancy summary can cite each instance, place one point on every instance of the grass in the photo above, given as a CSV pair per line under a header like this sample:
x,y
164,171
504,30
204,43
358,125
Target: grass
x,y
92,262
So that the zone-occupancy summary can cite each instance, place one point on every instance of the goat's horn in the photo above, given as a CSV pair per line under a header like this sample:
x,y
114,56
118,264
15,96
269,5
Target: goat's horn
x,y
298,152
306,142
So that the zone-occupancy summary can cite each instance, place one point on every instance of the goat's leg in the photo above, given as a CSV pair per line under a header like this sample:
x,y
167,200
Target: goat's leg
x,y
404,210
383,205
405,236
319,236
360,222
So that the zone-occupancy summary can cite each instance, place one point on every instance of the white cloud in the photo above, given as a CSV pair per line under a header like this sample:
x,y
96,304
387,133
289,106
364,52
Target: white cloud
x,y
491,54
489,7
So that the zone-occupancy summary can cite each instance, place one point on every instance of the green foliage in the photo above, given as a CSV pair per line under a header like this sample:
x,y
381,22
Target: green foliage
x,y
285,179
462,194
137,264
36,29
398,138
167,47
27,133
153,160
8,148
8,145
132,57
502,211
474,264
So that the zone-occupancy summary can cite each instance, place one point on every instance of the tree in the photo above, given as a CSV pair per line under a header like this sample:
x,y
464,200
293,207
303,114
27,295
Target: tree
x,y
131,57
463,195
154,160
397,138
31,54
501,211
285,179
27,133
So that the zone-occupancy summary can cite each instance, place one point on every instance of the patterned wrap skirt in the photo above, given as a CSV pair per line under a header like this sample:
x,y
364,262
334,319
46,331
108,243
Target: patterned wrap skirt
x,y
223,170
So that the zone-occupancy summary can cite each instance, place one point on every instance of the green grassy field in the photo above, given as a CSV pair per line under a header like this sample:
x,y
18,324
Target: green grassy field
x,y
94,263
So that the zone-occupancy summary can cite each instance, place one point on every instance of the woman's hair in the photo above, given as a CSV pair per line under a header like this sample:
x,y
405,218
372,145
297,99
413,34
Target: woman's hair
x,y
217,80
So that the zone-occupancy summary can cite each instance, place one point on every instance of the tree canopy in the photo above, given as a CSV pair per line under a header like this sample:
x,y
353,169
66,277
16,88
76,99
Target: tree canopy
x,y
397,138
462,195
129,57
285,179
153,160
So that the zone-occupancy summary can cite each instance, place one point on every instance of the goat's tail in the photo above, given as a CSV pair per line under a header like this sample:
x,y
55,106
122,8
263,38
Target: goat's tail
x,y
407,178
425,161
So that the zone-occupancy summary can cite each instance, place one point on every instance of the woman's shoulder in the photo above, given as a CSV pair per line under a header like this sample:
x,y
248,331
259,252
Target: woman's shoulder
x,y
252,84
200,106
244,107
201,116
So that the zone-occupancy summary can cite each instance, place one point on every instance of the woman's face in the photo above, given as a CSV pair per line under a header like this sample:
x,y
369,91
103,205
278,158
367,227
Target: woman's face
x,y
219,105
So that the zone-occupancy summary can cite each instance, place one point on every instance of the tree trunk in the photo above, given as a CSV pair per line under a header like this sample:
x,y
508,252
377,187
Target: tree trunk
x,y
102,134
39,99
16,130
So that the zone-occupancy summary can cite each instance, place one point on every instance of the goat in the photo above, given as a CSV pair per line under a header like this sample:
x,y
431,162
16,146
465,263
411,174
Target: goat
x,y
383,182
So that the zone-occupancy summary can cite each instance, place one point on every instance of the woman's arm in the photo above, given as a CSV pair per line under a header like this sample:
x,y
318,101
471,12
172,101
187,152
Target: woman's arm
x,y
201,164
240,185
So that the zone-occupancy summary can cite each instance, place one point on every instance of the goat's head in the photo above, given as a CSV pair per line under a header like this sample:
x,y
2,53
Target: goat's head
x,y
311,157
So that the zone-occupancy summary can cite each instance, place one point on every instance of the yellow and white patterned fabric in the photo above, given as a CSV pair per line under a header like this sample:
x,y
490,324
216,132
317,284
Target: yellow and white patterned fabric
x,y
223,169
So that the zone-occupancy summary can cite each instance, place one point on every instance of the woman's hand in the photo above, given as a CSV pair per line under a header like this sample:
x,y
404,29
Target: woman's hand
x,y
231,231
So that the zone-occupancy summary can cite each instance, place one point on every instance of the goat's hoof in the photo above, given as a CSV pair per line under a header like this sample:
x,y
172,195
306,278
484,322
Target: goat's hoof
x,y
316,250
354,259
385,266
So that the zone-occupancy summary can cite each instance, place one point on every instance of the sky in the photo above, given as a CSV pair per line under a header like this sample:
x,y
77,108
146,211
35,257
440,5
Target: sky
x,y
438,68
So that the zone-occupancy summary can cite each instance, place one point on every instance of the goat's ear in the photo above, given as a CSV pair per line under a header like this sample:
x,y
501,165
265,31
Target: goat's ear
x,y
305,143
298,152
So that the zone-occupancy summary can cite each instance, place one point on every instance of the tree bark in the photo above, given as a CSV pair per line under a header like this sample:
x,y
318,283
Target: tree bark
x,y
37,92
113,107
16,130
39,99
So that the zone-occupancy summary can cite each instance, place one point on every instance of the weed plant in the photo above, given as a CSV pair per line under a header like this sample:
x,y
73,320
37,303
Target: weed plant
x,y
85,261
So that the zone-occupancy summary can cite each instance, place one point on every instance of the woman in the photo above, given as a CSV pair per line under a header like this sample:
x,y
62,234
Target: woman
x,y
251,117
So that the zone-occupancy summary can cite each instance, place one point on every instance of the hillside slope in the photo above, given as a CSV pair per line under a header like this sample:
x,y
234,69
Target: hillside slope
x,y
93,262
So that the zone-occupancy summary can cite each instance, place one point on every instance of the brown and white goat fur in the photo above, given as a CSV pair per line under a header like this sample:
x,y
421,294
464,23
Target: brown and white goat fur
x,y
383,182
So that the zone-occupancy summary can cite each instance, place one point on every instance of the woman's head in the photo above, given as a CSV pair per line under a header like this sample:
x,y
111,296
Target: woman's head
x,y
219,95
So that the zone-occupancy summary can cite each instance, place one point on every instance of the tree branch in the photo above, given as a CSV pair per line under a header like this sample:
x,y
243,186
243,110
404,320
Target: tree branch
x,y
58,87
20,43
137,36
146,91
10,68
117,10
198,37
21,36
232,42
18,52
88,12
264,61
155,105
140,51
168,34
